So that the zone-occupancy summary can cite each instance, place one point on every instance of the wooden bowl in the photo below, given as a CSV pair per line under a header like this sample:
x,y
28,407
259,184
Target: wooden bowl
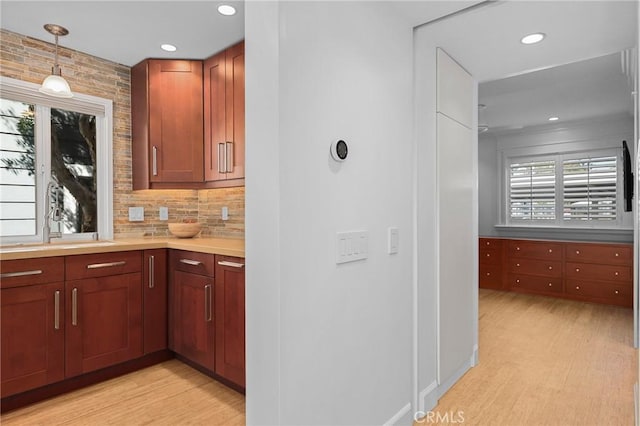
x,y
185,230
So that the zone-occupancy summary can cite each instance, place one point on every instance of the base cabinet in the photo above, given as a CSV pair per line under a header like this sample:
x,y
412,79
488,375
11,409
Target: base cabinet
x,y
230,319
154,301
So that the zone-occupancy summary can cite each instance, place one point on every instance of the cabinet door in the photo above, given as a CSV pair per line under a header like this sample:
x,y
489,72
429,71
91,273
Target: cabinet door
x,y
224,114
32,330
230,319
154,282
192,319
175,121
104,322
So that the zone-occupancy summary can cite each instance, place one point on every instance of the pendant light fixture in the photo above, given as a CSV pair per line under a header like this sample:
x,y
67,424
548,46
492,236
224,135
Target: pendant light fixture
x,y
55,85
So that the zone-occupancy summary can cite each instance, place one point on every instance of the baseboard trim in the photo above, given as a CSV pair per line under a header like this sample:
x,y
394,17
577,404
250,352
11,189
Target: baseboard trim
x,y
393,421
466,366
428,397
74,383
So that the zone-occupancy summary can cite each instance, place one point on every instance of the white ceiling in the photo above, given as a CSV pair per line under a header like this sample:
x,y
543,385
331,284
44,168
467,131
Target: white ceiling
x,y
485,40
129,31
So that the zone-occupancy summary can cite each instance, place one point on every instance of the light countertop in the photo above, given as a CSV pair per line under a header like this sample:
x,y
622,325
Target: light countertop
x,y
223,246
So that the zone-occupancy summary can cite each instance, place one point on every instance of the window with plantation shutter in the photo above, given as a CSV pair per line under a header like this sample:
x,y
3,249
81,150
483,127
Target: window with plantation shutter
x,y
532,190
589,189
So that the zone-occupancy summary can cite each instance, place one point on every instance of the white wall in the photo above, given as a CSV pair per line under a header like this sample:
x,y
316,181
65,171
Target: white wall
x,y
603,132
327,343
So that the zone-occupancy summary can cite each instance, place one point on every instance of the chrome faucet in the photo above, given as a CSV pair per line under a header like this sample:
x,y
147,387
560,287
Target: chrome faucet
x,y
50,212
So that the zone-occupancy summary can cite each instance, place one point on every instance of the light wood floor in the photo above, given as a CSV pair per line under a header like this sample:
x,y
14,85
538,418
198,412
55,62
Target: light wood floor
x,y
542,362
170,393
548,362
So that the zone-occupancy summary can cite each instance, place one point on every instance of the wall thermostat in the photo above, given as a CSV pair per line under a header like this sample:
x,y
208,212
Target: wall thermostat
x,y
339,150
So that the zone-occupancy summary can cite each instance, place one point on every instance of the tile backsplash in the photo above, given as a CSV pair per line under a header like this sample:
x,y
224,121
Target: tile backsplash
x,y
28,59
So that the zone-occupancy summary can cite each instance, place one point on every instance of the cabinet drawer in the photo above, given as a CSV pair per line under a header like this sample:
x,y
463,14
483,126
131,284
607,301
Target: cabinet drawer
x,y
590,271
102,264
544,268
535,249
531,283
490,276
23,272
490,243
193,262
490,256
621,293
611,254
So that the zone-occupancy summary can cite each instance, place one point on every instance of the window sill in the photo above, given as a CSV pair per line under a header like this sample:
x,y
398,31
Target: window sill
x,y
566,233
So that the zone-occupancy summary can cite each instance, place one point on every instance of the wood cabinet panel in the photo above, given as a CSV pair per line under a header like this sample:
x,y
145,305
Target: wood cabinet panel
x,y
192,318
104,322
230,319
531,283
155,308
618,294
599,272
26,272
535,249
102,264
32,336
490,276
611,254
528,266
495,243
490,256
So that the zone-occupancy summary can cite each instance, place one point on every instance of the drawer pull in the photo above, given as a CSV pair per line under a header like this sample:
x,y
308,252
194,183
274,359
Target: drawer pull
x,y
152,278
488,243
616,274
577,287
56,310
235,264
617,292
517,248
488,255
191,262
517,281
488,274
577,269
74,306
550,285
550,250
20,274
207,303
617,255
517,264
106,265
550,268
577,251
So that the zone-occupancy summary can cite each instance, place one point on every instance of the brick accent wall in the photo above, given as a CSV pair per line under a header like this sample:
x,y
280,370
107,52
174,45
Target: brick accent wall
x,y
28,59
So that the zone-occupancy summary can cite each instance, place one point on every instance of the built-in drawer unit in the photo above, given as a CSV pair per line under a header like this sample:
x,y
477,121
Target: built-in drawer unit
x,y
23,272
545,268
491,259
535,249
532,283
617,294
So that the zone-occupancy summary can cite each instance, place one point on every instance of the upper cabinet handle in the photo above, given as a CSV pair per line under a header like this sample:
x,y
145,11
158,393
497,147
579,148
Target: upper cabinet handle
x,y
221,158
231,264
21,273
106,265
154,161
191,262
229,157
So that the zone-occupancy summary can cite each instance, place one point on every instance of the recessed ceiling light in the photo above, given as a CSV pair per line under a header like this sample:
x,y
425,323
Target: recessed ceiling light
x,y
168,47
533,38
554,118
226,10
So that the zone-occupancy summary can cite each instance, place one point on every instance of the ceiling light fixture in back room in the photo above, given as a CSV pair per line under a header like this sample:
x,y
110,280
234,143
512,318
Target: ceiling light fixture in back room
x,y
55,85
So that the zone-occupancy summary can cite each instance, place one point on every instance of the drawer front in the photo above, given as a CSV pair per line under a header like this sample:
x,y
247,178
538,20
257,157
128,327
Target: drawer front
x,y
535,249
537,284
490,243
611,254
591,271
23,272
102,264
490,276
490,256
193,262
620,294
545,268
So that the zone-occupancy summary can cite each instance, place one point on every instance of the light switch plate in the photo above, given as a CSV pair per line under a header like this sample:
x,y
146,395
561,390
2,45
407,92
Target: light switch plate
x,y
393,238
352,246
225,213
164,213
136,214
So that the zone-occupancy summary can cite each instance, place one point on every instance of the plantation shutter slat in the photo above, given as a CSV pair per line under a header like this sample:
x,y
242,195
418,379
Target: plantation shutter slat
x,y
590,187
532,191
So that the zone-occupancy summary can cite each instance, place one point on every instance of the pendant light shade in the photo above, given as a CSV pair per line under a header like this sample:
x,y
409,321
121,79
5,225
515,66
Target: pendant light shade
x,y
55,85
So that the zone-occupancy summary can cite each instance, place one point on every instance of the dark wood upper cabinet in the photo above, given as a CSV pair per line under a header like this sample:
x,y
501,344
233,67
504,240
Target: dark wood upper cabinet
x,y
167,123
224,132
